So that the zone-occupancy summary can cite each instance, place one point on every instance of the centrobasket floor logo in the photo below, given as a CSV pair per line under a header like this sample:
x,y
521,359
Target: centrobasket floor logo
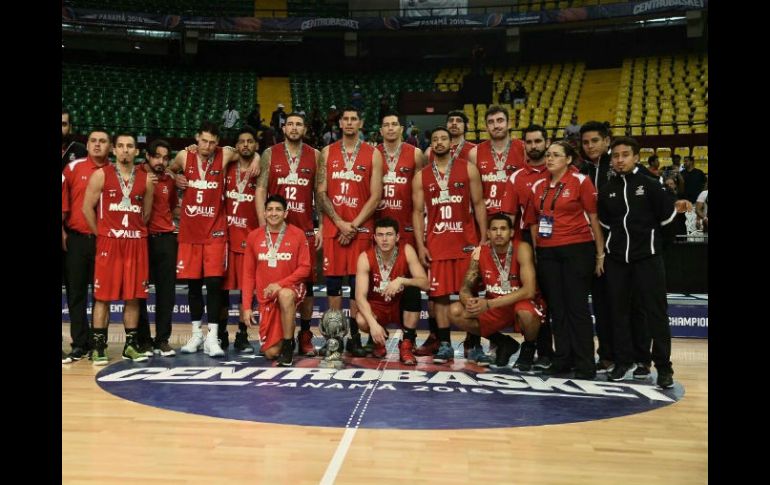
x,y
373,393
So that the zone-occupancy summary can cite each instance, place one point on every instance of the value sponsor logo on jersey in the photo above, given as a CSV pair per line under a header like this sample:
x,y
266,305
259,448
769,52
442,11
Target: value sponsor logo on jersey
x,y
345,200
447,226
198,210
125,234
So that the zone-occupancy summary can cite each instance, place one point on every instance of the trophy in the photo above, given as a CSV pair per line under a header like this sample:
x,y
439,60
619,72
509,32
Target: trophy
x,y
334,327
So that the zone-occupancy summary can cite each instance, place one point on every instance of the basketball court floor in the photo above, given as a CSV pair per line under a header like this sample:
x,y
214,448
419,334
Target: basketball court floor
x,y
239,420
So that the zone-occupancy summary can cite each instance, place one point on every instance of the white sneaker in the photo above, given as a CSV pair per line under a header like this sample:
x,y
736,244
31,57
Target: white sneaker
x,y
212,347
194,344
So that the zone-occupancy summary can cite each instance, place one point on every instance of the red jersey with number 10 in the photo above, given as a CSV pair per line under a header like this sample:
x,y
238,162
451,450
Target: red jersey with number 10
x,y
116,220
203,209
451,229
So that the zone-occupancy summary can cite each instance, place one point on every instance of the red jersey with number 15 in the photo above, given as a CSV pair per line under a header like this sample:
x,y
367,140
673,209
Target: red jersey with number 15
x,y
203,209
115,219
396,200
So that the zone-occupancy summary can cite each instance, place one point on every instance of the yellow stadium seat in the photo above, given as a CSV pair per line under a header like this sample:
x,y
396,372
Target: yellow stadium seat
x,y
683,129
664,161
700,129
682,151
667,130
663,152
645,153
700,151
651,130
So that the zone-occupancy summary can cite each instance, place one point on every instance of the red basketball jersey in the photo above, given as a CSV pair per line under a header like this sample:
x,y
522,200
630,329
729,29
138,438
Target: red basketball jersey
x,y
116,219
298,191
348,190
240,206
203,209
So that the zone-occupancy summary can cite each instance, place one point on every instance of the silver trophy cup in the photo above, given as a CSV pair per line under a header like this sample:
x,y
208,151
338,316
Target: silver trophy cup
x,y
334,327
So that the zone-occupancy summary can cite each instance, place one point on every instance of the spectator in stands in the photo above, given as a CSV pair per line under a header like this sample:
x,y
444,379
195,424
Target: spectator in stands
x,y
230,117
277,120
654,165
316,122
506,94
702,208
572,131
70,150
255,119
425,141
384,106
357,99
413,140
678,227
332,117
266,140
694,179
519,94
331,135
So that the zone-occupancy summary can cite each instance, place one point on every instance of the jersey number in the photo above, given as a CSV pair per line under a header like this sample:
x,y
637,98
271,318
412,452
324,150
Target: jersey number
x,y
390,190
125,220
344,186
493,191
291,193
446,212
199,196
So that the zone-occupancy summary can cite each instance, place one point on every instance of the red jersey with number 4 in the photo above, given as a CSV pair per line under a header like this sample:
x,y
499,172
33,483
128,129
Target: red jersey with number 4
x,y
348,191
240,206
400,268
298,191
396,200
203,209
118,220
492,182
451,229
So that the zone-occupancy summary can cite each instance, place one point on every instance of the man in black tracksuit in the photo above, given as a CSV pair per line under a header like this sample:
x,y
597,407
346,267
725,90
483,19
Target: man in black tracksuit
x,y
634,207
595,144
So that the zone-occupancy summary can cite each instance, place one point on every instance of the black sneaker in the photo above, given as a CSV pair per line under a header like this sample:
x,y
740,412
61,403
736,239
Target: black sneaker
x,y
146,348
604,366
354,346
557,368
620,372
526,357
505,349
665,379
642,371
542,363
224,339
369,345
242,344
286,357
74,356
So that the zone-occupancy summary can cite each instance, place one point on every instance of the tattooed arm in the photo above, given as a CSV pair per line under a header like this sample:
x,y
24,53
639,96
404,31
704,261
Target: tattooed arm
x,y
262,181
469,282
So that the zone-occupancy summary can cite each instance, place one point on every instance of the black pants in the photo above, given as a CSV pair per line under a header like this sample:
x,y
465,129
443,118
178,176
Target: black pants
x,y
79,265
601,306
162,250
564,274
646,280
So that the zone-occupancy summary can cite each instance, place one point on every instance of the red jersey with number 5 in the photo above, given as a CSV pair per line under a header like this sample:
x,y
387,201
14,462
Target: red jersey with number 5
x,y
203,209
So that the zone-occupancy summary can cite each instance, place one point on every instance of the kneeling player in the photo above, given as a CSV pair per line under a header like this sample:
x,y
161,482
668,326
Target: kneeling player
x,y
382,273
507,271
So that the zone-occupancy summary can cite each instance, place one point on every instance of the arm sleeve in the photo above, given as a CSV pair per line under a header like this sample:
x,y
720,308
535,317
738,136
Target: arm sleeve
x,y
302,271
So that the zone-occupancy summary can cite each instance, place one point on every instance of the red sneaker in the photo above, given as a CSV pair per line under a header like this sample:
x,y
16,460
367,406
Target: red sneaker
x,y
429,347
405,352
305,341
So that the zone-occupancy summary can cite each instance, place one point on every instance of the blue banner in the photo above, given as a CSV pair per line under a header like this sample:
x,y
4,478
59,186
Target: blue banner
x,y
688,315
306,24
